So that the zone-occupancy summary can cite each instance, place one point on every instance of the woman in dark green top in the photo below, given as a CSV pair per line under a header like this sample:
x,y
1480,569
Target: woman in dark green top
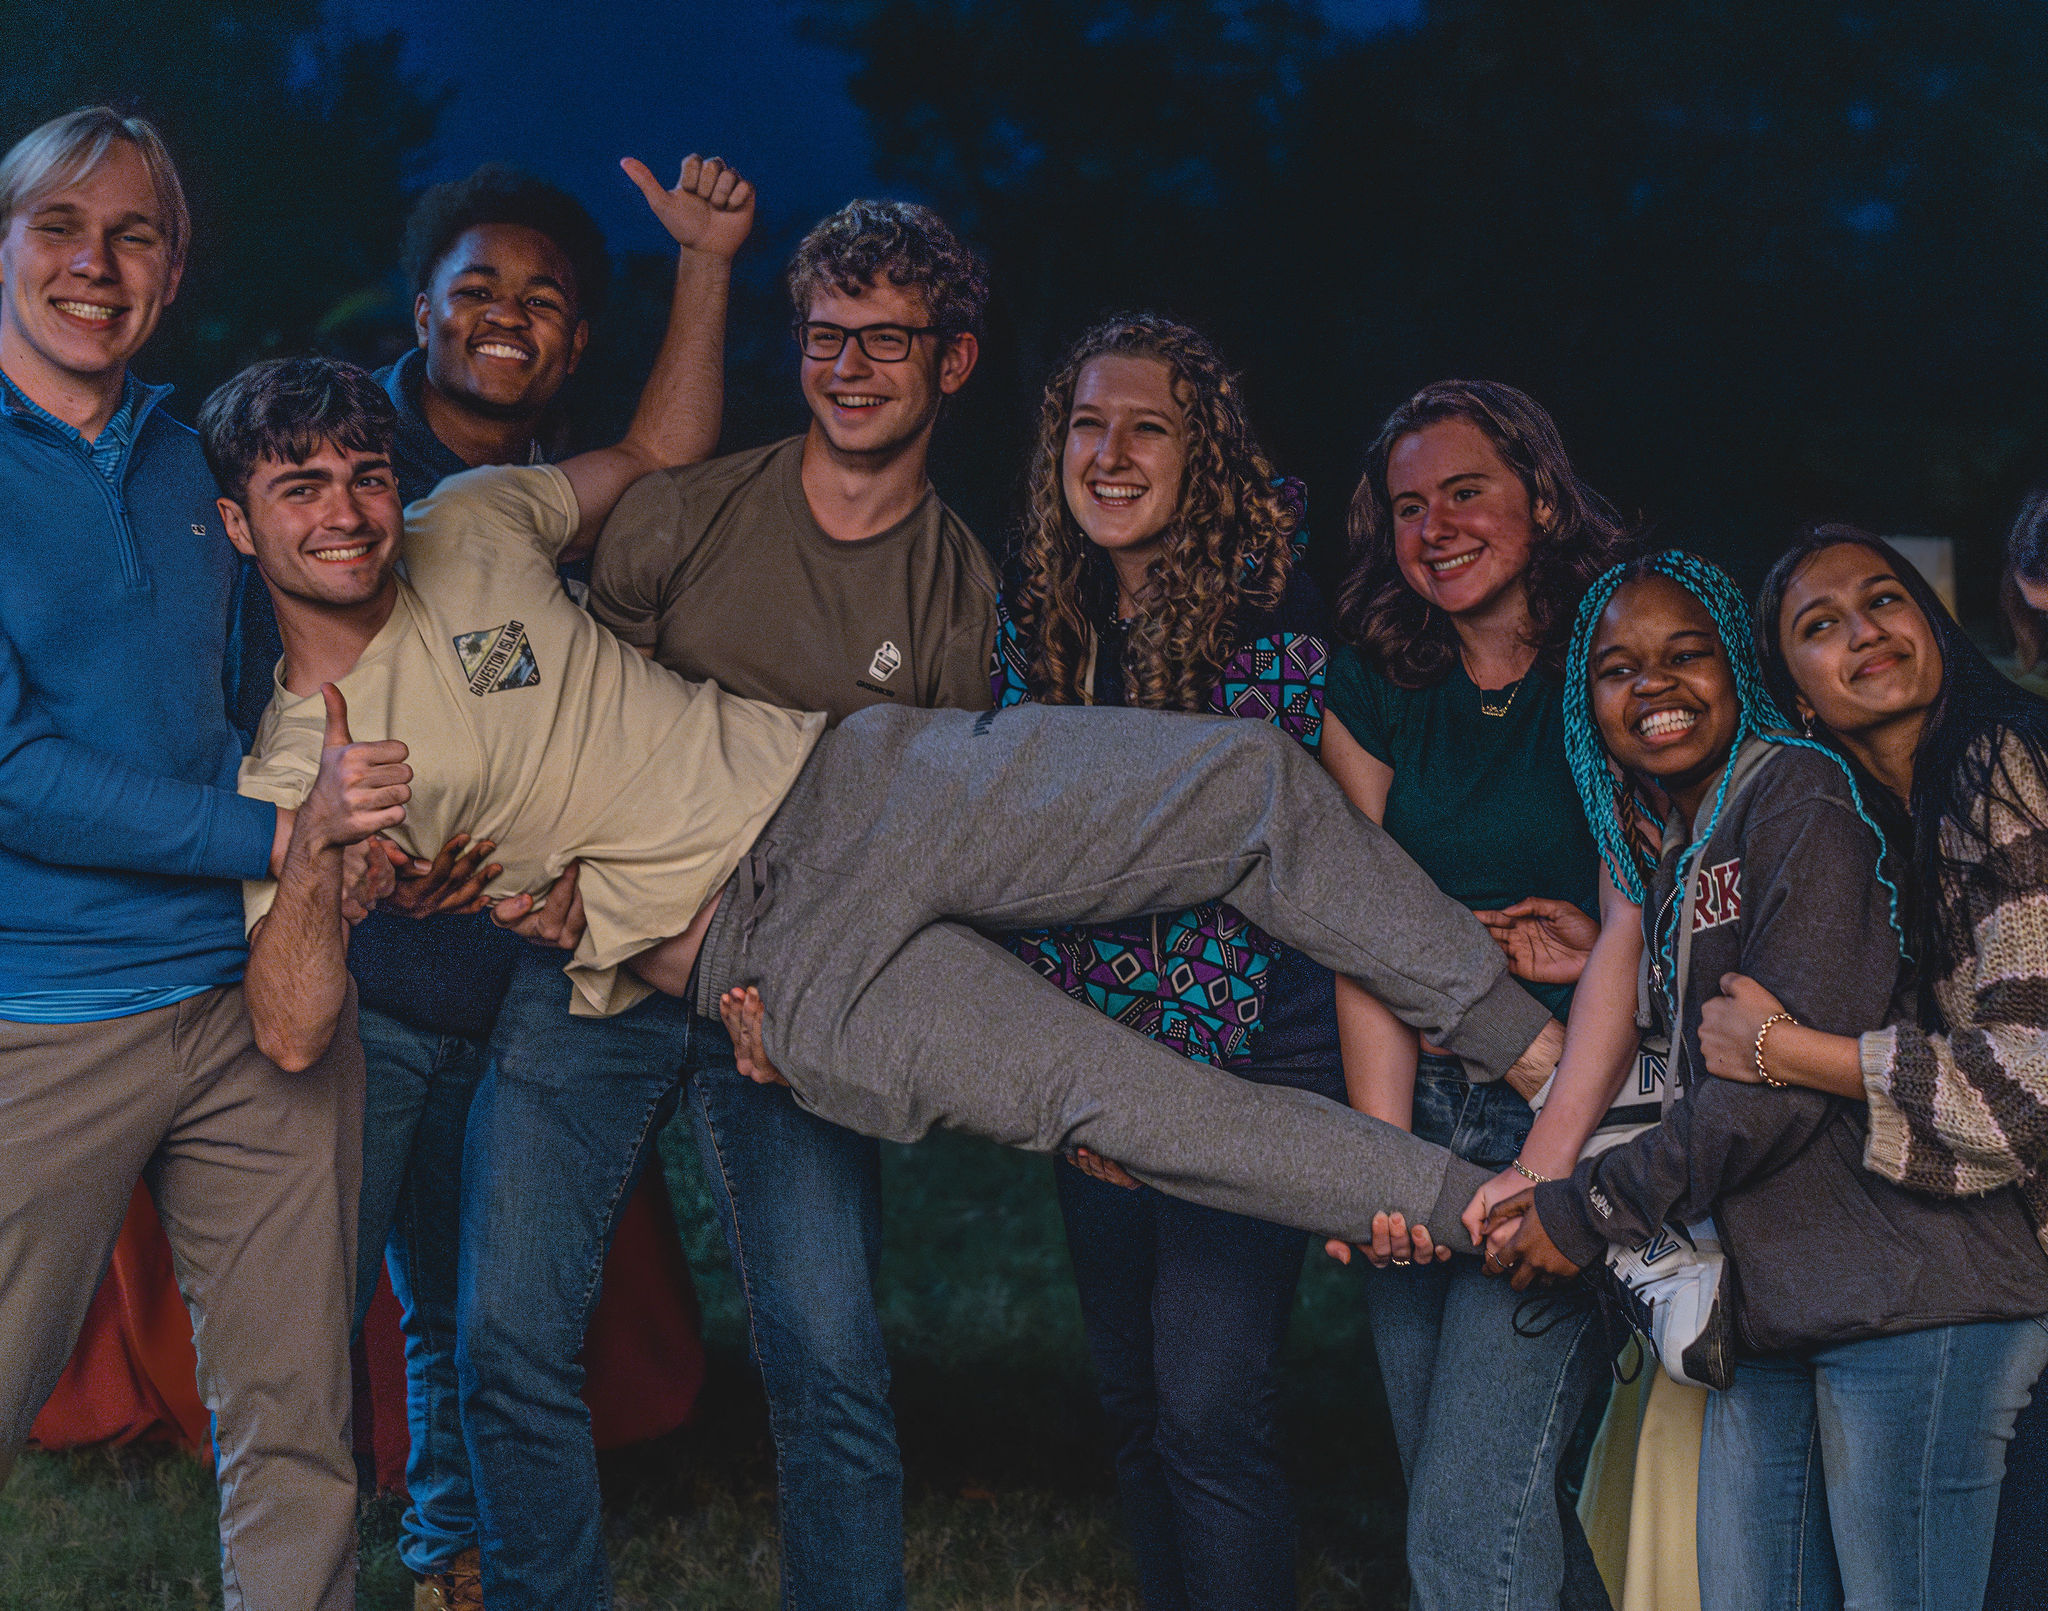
x,y
1485,804
1472,542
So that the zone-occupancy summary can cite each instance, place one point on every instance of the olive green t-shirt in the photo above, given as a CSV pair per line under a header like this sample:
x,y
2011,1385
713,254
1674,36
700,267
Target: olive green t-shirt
x,y
1484,804
722,571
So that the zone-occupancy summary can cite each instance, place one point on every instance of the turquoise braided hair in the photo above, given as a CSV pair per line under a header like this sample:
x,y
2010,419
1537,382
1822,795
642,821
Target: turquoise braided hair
x,y
1759,718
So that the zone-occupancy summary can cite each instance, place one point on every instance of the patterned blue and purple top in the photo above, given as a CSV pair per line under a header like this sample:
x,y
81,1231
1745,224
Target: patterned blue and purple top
x,y
1207,982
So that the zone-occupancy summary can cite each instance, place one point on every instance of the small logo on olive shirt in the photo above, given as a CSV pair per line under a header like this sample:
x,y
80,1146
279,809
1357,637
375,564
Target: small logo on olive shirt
x,y
497,658
887,659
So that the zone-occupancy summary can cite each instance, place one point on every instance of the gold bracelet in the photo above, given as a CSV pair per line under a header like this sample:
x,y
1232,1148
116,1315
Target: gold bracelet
x,y
1762,1030
1527,1173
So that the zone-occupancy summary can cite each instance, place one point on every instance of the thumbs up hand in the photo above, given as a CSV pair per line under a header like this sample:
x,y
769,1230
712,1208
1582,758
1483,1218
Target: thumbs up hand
x,y
361,789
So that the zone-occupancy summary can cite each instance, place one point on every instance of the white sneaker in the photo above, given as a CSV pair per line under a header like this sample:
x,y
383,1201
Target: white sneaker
x,y
1670,1288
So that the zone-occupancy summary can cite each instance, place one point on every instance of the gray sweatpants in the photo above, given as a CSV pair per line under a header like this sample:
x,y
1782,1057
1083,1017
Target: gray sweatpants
x,y
889,1014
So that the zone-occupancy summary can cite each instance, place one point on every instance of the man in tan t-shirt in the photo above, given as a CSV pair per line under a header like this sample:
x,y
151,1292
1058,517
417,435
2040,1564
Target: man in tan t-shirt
x,y
484,655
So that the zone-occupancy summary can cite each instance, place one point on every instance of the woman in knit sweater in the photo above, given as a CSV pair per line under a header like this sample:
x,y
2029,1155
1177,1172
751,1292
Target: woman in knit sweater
x,y
1856,641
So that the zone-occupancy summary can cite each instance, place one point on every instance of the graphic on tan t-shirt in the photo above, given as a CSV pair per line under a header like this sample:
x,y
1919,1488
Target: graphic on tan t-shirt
x,y
722,571
497,659
531,725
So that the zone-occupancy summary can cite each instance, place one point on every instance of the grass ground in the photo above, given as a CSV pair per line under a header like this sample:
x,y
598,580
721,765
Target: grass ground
x,y
1010,1502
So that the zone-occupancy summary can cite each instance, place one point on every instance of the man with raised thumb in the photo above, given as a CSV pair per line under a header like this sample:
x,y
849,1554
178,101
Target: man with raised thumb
x,y
360,790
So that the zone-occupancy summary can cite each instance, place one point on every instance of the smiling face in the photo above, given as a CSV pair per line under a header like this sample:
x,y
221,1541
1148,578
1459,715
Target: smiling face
x,y
1125,453
1861,652
324,532
500,321
1663,692
870,410
1463,522
88,272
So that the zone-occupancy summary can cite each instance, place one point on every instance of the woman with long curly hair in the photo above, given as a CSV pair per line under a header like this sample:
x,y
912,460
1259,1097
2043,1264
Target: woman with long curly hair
x,y
1472,542
1156,567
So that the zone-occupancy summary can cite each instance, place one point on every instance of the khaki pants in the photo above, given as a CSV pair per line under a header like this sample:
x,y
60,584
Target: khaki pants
x,y
254,1172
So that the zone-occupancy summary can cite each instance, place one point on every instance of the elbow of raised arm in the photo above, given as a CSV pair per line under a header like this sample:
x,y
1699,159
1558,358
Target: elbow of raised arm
x,y
293,1032
292,1048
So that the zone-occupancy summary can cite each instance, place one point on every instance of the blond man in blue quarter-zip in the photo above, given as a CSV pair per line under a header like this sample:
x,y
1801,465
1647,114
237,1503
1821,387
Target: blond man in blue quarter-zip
x,y
125,1044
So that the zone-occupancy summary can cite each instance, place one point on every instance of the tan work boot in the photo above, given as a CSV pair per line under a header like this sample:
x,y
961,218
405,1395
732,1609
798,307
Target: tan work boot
x,y
459,1588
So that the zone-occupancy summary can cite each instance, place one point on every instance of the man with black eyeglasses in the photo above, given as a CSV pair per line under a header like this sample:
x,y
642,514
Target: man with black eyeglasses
x,y
821,573
824,572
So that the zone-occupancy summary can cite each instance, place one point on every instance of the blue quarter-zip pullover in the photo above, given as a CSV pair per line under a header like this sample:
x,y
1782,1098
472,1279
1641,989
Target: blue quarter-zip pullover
x,y
121,838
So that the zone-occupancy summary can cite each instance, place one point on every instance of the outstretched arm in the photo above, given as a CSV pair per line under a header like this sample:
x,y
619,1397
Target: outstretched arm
x,y
71,805
297,980
1545,941
1599,1050
709,214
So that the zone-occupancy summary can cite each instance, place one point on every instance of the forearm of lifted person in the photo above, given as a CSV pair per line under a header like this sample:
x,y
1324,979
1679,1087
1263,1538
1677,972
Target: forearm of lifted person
x,y
680,409
297,979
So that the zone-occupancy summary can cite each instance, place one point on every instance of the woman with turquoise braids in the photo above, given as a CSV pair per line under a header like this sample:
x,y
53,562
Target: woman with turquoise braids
x,y
1872,1326
1473,540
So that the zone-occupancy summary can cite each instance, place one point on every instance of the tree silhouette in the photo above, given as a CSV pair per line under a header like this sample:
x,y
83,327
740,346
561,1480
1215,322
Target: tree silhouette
x,y
294,145
1766,261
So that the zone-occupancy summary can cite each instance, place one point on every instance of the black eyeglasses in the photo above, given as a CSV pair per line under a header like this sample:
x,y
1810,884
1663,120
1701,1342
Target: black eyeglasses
x,y
884,343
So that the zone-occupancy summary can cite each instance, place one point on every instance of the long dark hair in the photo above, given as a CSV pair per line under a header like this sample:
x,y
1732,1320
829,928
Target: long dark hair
x,y
1411,639
2026,554
1961,767
1228,547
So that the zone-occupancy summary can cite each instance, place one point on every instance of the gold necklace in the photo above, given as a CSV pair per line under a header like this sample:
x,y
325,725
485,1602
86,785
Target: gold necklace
x,y
1501,710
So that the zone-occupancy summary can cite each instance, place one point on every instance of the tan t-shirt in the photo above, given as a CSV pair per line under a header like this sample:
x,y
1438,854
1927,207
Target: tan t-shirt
x,y
722,571
530,725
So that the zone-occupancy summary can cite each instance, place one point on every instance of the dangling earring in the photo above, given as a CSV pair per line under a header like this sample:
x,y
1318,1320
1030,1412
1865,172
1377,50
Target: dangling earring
x,y
1807,722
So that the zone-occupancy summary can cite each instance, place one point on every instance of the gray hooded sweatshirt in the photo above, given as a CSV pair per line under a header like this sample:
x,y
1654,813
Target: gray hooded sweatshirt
x,y
1820,1250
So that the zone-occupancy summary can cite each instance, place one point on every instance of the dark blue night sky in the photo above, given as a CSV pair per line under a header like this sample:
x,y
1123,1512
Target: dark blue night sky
x,y
567,89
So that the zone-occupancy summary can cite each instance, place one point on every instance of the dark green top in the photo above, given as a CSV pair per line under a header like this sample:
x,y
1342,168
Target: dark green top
x,y
1485,804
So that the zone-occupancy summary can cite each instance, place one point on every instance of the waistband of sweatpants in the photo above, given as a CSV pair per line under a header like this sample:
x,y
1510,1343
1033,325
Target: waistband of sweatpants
x,y
725,941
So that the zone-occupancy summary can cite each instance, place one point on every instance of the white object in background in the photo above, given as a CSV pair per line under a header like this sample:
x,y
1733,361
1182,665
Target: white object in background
x,y
1935,559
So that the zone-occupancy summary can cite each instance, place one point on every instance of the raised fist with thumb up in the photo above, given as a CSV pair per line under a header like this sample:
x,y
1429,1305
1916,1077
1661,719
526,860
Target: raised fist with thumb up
x,y
361,789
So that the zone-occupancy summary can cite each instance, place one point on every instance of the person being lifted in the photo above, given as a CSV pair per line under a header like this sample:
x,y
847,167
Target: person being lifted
x,y
843,867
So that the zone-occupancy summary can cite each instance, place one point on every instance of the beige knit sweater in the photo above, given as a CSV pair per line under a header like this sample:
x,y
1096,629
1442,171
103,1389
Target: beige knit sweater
x,y
1966,1112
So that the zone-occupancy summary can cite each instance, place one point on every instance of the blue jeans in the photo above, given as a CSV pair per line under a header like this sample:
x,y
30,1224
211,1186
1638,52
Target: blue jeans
x,y
1482,1415
2019,1552
1865,1474
415,1107
564,1121
1186,1309
801,1203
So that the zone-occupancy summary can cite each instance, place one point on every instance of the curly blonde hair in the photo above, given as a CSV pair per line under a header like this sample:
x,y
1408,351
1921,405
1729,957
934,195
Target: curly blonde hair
x,y
1229,544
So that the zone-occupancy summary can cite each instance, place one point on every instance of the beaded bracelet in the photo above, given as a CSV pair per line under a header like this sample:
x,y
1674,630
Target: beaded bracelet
x,y
1762,1030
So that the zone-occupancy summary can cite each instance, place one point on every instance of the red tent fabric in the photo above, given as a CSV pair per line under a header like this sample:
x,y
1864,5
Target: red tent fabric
x,y
131,1375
